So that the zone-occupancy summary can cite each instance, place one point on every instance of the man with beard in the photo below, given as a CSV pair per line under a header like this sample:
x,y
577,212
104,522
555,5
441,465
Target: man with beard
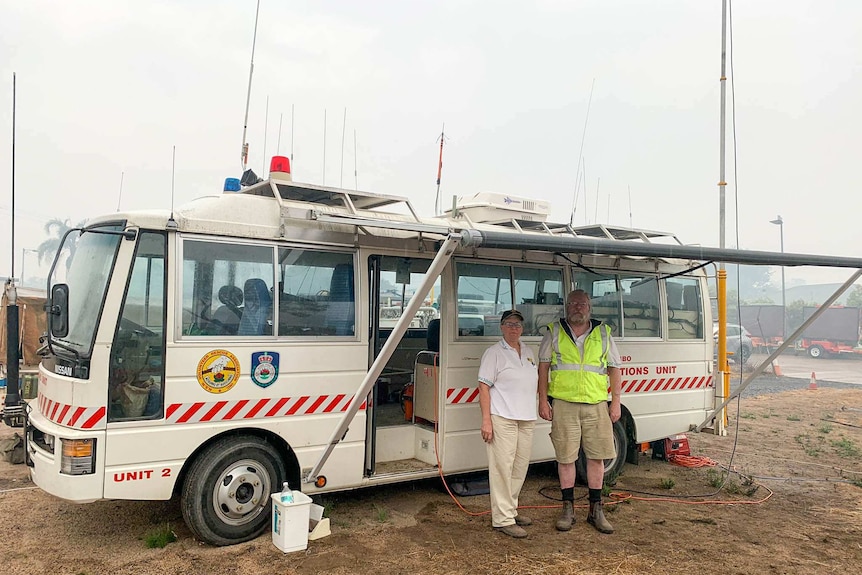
x,y
576,359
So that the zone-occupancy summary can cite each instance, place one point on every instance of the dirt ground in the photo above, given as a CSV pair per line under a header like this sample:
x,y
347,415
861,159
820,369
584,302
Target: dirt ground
x,y
796,508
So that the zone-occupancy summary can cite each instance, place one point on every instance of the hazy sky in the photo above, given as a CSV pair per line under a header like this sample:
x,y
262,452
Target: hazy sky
x,y
108,87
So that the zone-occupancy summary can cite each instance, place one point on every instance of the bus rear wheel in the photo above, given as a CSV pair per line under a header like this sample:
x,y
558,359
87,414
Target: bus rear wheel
x,y
225,496
614,466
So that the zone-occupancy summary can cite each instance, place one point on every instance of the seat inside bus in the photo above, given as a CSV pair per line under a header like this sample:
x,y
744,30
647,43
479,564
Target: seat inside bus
x,y
225,320
258,306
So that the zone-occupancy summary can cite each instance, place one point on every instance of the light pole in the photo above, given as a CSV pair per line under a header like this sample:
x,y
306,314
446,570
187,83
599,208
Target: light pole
x,y
780,223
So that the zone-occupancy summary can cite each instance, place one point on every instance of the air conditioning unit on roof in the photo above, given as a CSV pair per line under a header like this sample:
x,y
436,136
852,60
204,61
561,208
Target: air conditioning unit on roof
x,y
494,208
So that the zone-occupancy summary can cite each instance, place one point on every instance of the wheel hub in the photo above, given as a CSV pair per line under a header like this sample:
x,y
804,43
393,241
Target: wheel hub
x,y
240,495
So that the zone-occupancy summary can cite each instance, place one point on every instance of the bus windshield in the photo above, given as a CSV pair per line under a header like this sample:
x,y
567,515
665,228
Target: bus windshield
x,y
89,259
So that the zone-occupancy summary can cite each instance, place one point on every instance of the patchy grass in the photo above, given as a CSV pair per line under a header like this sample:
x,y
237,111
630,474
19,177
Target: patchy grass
x,y
159,537
807,444
825,428
382,514
793,417
667,483
747,416
714,478
845,448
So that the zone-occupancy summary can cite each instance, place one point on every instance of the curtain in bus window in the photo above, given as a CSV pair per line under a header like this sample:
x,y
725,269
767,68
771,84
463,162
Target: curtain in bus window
x,y
539,297
684,310
215,287
136,373
484,292
640,306
605,297
316,293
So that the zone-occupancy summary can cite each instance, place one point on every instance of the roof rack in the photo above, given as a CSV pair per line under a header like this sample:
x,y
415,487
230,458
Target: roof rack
x,y
592,231
352,200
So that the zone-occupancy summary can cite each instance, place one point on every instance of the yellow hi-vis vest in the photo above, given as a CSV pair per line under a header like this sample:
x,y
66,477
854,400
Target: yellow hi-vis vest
x,y
579,379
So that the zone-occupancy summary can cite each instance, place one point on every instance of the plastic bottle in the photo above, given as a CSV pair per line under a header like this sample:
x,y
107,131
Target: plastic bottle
x,y
286,494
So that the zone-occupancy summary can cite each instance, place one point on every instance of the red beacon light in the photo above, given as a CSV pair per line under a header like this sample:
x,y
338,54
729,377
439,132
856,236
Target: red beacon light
x,y
279,168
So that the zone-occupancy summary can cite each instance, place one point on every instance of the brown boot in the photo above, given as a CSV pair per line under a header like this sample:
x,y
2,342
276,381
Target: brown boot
x,y
567,517
596,518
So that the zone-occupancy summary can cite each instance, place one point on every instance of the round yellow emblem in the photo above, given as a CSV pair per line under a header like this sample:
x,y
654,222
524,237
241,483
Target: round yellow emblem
x,y
218,371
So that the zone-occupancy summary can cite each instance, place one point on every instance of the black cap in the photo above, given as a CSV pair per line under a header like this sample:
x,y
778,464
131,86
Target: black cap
x,y
509,313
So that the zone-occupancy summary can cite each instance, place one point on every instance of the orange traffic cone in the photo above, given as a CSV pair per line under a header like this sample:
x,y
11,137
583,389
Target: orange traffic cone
x,y
776,369
813,384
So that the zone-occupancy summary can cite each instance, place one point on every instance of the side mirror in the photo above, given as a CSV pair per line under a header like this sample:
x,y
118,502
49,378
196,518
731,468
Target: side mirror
x,y
58,312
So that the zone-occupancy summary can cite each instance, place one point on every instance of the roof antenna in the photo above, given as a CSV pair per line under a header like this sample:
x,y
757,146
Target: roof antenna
x,y
120,195
631,225
248,96
581,155
596,217
442,137
278,142
172,223
265,128
291,135
324,146
343,128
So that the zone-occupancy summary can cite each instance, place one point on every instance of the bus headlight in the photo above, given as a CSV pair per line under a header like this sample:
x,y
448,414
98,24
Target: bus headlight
x,y
79,456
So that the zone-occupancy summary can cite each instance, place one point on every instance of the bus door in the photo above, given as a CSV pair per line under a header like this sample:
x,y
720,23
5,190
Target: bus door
x,y
392,418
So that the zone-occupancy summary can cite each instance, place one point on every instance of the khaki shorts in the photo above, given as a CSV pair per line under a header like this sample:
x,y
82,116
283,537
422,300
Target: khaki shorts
x,y
582,425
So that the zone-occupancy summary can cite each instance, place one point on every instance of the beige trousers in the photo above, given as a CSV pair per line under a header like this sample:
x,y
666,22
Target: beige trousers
x,y
508,459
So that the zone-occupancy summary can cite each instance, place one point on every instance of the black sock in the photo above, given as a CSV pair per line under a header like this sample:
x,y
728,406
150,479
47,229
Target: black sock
x,y
595,495
568,493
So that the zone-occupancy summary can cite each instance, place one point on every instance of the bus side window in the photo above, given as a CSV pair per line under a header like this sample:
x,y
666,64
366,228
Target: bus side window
x,y
684,314
316,293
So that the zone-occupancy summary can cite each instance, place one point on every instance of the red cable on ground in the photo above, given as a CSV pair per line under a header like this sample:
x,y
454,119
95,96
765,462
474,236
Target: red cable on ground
x,y
691,461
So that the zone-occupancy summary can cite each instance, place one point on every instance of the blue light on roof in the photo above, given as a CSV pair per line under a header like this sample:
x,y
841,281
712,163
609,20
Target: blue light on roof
x,y
231,185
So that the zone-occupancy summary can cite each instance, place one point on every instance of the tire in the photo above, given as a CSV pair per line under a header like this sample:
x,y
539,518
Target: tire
x,y
613,467
225,495
816,351
744,355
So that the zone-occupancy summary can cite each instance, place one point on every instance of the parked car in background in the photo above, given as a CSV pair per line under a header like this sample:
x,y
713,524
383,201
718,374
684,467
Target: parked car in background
x,y
739,343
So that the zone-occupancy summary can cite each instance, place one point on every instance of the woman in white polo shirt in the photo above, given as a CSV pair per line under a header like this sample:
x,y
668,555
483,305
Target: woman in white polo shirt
x,y
508,382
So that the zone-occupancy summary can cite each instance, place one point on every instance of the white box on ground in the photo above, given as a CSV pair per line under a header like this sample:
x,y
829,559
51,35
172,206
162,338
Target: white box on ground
x,y
290,522
318,525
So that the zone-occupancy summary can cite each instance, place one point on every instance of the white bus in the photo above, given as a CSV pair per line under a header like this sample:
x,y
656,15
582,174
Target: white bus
x,y
240,342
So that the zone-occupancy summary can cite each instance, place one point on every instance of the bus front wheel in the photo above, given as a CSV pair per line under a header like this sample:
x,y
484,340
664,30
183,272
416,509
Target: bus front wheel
x,y
614,466
225,496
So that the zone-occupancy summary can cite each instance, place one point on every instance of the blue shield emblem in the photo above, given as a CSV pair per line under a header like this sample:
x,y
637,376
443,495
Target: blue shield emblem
x,y
264,367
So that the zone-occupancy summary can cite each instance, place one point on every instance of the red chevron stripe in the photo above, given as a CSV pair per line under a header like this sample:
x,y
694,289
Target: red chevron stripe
x,y
100,413
213,411
236,409
190,412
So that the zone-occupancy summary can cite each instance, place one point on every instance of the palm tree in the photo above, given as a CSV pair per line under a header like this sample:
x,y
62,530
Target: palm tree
x,y
57,228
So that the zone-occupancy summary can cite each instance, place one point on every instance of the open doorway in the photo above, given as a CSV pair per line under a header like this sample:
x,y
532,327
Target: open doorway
x,y
391,439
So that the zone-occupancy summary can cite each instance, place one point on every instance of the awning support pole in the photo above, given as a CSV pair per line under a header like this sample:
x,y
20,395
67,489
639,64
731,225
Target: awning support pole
x,y
762,366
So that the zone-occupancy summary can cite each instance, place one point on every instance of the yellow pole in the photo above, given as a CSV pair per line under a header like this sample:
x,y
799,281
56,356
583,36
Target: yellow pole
x,y
724,371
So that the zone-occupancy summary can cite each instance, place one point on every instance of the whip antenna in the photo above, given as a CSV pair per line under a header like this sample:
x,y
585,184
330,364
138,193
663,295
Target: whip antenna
x,y
341,169
120,195
248,96
172,223
581,155
437,211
